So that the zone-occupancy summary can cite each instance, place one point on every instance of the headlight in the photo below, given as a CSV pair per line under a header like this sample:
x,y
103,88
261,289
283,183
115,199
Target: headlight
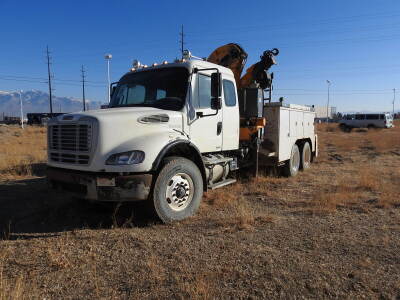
x,y
126,158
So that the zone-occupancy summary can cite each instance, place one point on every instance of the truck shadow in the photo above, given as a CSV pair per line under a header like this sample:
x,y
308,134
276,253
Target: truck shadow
x,y
27,207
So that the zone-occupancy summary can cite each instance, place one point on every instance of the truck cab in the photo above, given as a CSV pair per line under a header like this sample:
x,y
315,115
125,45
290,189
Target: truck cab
x,y
114,154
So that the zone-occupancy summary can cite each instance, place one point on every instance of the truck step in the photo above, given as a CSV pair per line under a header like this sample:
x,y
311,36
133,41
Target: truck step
x,y
222,183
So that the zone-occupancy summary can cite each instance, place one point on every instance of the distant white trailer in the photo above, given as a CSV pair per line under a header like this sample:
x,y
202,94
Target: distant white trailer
x,y
289,134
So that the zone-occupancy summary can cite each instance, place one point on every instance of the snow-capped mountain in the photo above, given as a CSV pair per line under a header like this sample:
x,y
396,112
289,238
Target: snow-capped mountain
x,y
38,101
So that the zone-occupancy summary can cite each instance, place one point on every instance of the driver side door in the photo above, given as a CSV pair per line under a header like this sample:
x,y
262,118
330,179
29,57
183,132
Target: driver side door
x,y
206,131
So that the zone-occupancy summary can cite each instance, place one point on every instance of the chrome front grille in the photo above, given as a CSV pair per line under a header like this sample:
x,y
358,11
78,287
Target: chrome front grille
x,y
70,143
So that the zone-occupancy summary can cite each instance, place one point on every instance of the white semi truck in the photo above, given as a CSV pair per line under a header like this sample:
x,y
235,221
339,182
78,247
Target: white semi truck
x,y
172,131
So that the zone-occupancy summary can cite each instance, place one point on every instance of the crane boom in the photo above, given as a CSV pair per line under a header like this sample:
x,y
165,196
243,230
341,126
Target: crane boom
x,y
233,56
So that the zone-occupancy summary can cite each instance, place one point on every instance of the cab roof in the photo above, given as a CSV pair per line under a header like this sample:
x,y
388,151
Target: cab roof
x,y
188,64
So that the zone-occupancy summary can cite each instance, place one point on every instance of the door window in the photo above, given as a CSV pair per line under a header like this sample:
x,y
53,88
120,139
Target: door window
x,y
203,91
229,93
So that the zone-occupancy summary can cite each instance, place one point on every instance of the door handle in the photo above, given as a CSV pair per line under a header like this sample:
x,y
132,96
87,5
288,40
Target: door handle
x,y
219,128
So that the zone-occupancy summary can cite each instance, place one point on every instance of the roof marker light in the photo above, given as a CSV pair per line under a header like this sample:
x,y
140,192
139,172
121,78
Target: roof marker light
x,y
186,54
136,64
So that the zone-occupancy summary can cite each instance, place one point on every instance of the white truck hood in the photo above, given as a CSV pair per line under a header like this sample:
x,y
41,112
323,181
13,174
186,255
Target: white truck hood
x,y
117,130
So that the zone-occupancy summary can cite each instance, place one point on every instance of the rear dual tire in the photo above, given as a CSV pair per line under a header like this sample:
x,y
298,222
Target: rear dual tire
x,y
298,161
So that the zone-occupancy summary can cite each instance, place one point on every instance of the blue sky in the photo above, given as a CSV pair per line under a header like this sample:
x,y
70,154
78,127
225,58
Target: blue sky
x,y
355,44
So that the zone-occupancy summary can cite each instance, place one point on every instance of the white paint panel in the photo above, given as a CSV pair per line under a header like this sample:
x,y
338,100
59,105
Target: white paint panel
x,y
203,131
287,126
231,121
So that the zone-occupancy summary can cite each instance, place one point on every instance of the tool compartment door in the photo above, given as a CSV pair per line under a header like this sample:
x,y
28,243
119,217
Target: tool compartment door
x,y
285,134
231,118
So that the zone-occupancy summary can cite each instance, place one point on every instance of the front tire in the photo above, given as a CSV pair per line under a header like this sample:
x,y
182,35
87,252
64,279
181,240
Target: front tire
x,y
292,166
178,190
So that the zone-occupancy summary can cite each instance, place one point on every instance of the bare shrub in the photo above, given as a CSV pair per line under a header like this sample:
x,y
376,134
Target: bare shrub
x,y
243,214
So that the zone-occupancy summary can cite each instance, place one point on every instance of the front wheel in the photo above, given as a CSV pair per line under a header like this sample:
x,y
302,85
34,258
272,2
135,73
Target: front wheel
x,y
178,190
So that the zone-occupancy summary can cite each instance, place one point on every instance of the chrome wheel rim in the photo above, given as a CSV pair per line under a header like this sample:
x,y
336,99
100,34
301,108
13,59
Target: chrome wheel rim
x,y
179,193
296,161
307,157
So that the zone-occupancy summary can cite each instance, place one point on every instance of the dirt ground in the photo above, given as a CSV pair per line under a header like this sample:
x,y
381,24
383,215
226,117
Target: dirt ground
x,y
331,232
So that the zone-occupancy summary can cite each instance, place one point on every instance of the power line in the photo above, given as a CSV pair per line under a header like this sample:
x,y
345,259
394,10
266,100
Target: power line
x,y
54,79
46,82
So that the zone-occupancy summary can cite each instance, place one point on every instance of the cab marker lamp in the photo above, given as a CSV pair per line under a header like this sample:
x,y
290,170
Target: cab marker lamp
x,y
126,158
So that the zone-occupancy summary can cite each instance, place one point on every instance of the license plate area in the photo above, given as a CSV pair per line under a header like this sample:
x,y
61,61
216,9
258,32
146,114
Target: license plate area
x,y
103,181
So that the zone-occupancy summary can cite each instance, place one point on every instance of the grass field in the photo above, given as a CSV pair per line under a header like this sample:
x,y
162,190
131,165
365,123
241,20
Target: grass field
x,y
331,232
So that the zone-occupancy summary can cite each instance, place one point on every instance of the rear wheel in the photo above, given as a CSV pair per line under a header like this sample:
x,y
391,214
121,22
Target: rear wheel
x,y
292,166
345,128
306,156
178,190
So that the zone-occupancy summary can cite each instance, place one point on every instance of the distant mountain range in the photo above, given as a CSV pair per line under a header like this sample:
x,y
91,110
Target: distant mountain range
x,y
38,101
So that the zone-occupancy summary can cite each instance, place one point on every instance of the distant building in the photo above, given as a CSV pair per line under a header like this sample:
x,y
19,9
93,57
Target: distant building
x,y
321,112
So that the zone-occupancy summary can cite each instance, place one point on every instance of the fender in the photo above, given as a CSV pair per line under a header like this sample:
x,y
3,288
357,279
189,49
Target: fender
x,y
177,147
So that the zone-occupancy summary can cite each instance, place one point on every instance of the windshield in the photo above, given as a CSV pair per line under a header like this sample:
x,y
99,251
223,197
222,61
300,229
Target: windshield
x,y
163,88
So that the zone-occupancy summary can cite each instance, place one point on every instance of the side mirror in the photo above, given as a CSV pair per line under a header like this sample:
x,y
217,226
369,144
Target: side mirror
x,y
216,85
216,103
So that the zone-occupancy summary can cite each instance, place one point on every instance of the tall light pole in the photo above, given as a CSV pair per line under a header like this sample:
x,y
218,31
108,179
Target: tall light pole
x,y
108,58
327,105
22,112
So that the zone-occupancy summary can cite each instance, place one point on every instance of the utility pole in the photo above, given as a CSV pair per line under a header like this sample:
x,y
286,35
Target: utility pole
x,y
182,36
394,99
327,106
83,88
49,74
22,112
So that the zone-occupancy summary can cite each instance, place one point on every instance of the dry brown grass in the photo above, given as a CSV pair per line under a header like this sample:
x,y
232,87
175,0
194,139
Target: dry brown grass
x,y
342,194
11,288
381,140
21,150
273,237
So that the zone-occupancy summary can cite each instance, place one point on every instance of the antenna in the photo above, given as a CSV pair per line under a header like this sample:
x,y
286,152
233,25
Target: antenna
x,y
83,87
49,74
181,41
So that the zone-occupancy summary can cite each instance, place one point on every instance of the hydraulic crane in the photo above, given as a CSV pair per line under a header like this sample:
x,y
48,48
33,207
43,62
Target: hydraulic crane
x,y
233,56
